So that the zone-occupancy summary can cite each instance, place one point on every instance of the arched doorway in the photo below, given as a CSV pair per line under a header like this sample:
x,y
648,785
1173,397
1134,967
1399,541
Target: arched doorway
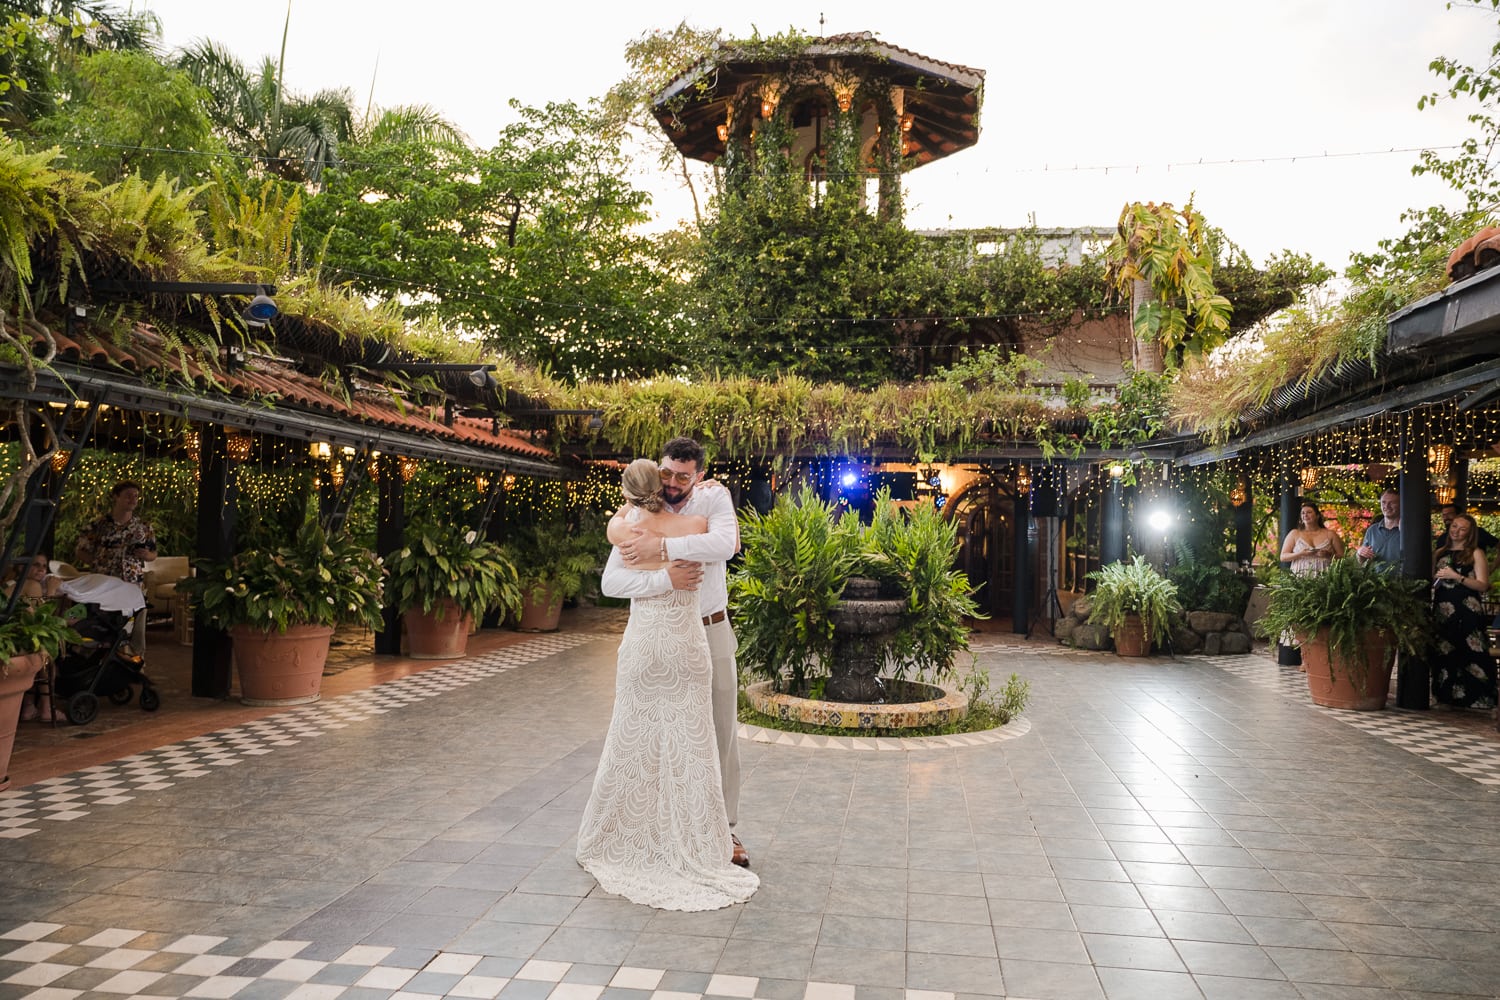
x,y
985,514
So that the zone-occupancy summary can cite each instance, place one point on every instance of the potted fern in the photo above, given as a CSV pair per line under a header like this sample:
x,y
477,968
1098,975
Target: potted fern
x,y
1351,619
555,561
444,579
280,605
1136,603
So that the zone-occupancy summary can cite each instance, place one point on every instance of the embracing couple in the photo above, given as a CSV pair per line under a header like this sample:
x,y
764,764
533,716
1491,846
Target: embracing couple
x,y
658,827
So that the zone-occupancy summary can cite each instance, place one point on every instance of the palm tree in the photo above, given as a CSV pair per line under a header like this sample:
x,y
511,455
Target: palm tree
x,y
291,137
297,138
408,123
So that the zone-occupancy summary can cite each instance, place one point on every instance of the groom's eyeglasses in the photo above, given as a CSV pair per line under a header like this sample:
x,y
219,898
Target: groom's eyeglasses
x,y
680,478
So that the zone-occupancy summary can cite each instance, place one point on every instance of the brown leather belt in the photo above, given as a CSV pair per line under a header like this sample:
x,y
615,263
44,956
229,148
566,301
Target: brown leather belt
x,y
714,618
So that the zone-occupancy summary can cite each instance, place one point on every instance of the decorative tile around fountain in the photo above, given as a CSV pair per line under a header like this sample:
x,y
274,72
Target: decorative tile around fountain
x,y
1009,731
950,707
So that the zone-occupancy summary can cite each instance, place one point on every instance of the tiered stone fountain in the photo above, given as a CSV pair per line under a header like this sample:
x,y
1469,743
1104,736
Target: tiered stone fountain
x,y
857,696
863,625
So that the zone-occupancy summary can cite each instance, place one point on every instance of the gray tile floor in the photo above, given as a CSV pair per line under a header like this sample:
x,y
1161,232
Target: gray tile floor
x,y
1163,829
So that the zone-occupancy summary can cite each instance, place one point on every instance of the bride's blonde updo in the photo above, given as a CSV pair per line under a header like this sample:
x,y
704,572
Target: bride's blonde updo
x,y
641,484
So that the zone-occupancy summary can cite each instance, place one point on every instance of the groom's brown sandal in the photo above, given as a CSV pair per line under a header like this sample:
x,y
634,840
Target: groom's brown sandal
x,y
740,857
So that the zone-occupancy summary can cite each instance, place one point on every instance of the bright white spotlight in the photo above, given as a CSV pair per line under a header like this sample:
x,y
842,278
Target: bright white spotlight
x,y
850,479
1159,520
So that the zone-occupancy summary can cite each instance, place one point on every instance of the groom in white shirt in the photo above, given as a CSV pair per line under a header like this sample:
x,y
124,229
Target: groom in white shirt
x,y
698,563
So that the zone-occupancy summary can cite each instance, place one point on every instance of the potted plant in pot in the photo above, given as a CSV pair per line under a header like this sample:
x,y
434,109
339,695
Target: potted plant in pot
x,y
1351,620
555,562
30,636
1136,603
280,605
443,580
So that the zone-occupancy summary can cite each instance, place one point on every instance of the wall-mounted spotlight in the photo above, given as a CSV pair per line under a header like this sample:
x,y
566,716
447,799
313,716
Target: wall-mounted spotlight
x,y
261,310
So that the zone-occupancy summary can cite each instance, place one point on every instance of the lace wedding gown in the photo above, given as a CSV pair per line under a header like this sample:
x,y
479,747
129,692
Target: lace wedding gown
x,y
655,830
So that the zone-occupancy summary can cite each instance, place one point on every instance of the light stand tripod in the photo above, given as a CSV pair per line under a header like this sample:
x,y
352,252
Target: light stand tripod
x,y
1049,604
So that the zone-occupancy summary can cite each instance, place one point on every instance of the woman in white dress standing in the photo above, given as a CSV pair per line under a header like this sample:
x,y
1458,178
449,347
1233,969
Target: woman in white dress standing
x,y
655,830
1311,546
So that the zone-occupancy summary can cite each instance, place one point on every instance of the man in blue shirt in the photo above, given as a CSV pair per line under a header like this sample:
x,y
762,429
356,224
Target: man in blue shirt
x,y
1382,542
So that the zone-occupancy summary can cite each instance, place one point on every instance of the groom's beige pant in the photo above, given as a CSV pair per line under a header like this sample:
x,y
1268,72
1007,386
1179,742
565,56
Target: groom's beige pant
x,y
721,646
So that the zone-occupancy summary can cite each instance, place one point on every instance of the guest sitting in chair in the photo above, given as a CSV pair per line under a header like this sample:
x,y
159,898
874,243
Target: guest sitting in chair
x,y
38,585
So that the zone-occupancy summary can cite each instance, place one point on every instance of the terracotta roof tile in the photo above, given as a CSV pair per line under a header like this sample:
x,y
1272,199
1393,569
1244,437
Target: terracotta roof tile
x,y
270,380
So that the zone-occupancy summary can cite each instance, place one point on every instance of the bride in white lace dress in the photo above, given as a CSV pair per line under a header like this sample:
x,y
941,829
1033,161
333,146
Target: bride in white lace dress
x,y
655,830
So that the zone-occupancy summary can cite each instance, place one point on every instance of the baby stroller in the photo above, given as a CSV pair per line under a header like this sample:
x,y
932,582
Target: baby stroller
x,y
102,665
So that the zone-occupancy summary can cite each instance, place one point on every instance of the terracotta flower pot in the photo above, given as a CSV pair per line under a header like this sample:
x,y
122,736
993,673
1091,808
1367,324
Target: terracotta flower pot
x,y
281,668
1130,638
540,610
430,637
1332,686
19,672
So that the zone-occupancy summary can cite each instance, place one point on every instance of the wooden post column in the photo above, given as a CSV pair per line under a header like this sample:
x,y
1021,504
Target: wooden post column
x,y
1412,679
1244,524
1112,524
1287,517
390,532
217,495
1021,585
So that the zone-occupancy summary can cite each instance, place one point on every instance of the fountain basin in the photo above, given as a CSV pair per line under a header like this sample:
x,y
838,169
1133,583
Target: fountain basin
x,y
929,705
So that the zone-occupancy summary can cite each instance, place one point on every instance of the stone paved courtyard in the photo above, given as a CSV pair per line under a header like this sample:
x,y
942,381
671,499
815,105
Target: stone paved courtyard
x,y
1154,829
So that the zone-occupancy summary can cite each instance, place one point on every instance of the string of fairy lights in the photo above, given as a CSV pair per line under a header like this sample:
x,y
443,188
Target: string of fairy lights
x,y
1343,467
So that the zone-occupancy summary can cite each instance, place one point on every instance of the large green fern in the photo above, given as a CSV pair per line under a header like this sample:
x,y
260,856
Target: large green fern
x,y
797,559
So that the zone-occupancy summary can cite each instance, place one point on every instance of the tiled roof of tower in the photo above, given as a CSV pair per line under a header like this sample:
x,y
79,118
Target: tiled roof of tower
x,y
943,97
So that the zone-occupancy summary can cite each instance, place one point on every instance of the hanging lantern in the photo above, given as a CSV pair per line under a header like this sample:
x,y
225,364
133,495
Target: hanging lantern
x,y
237,446
508,482
1023,479
320,450
193,445
1309,479
336,475
1445,493
482,483
770,96
407,466
1238,496
60,460
1439,460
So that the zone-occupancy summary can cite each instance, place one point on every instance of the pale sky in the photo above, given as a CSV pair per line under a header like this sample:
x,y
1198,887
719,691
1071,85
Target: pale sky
x,y
1149,90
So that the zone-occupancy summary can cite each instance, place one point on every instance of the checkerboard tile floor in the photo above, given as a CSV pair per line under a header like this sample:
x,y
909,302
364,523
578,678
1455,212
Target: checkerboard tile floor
x,y
43,960
76,795
48,961
1427,734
